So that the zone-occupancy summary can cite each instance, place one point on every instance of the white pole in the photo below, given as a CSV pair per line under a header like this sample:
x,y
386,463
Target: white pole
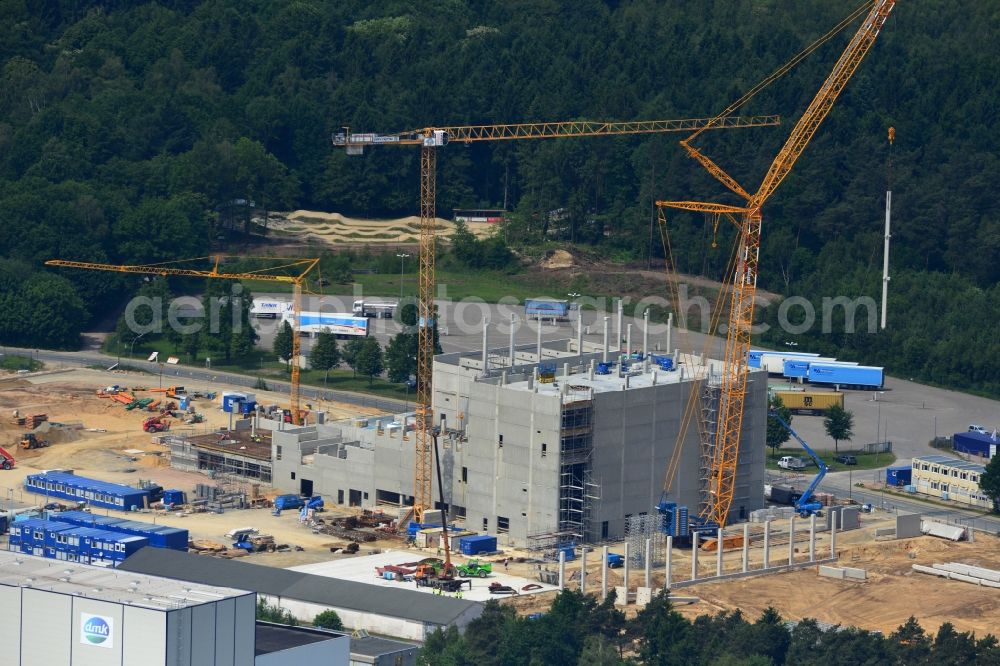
x,y
539,343
583,570
767,543
604,573
791,541
718,553
486,351
694,556
628,343
645,339
885,256
512,319
649,563
833,534
668,579
626,570
562,569
670,323
618,330
579,332
746,547
604,356
812,538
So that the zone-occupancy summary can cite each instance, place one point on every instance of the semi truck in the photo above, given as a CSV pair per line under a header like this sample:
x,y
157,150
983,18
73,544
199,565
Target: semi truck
x,y
813,403
543,308
375,309
269,308
846,376
341,324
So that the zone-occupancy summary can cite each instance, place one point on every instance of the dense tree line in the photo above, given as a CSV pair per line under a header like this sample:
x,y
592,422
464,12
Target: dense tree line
x,y
579,630
129,133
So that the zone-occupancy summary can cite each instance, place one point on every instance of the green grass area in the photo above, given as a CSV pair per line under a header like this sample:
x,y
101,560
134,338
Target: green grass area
x,y
13,363
865,460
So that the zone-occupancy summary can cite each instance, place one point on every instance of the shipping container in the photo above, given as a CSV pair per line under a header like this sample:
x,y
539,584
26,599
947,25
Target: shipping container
x,y
846,376
755,357
974,443
483,543
174,497
810,402
159,536
63,485
899,476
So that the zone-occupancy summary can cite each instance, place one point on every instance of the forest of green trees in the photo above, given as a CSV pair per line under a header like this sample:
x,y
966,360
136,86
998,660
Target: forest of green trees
x,y
577,630
127,131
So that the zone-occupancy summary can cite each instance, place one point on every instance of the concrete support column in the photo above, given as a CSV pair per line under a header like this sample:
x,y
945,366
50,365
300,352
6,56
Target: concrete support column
x,y
486,350
539,341
812,538
618,329
645,339
767,544
833,534
746,547
579,332
694,556
604,355
647,579
791,540
670,322
583,570
604,573
626,568
668,579
512,320
628,345
718,553
562,570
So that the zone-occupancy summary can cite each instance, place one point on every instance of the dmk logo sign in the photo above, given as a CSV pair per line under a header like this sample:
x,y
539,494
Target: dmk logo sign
x,y
97,630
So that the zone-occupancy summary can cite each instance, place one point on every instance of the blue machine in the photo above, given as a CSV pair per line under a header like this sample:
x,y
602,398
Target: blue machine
x,y
679,524
665,362
603,369
806,505
615,561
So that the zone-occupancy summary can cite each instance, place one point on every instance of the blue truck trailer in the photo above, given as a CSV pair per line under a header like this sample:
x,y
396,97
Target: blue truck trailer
x,y
846,376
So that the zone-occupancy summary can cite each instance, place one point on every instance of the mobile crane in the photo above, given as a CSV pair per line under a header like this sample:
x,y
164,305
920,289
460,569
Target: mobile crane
x,y
806,505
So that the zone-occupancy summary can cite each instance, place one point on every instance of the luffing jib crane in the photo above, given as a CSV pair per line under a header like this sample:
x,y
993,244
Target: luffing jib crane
x,y
430,139
301,266
732,395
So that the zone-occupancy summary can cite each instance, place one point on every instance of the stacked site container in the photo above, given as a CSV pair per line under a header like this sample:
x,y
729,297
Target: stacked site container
x,y
71,543
159,536
106,495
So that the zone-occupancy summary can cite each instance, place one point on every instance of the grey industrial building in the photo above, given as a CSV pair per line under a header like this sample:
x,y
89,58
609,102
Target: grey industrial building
x,y
401,613
81,615
544,448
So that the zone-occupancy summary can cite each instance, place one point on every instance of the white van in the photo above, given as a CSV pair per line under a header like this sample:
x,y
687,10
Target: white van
x,y
978,428
791,462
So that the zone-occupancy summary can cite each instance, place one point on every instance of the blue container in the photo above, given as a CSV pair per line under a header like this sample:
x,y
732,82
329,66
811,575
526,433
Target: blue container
x,y
569,553
175,497
483,543
861,376
32,531
86,519
973,443
899,476
81,489
284,502
796,368
603,369
159,536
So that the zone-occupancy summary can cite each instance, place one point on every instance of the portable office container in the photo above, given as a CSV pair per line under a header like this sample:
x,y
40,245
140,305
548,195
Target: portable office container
x,y
175,497
81,489
31,532
483,543
899,476
159,536
975,443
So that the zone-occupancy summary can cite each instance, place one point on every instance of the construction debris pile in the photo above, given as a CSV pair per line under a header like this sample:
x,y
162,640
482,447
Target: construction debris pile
x,y
367,527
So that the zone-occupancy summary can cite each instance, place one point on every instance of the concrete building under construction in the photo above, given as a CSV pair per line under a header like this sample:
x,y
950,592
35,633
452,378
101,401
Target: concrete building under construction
x,y
536,447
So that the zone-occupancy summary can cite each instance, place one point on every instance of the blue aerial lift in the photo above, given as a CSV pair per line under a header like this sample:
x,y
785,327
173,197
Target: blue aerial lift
x,y
806,505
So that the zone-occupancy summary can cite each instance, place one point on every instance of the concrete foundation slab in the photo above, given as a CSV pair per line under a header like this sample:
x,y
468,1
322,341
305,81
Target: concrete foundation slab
x,y
831,572
856,574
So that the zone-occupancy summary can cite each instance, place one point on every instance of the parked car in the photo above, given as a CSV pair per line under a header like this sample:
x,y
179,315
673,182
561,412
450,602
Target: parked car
x,y
846,460
978,428
791,462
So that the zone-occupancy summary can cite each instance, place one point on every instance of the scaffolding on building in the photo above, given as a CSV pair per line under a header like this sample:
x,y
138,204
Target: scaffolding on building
x,y
578,490
639,529
707,426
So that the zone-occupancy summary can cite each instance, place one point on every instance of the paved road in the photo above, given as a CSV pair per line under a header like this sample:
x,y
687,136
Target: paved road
x,y
86,358
841,484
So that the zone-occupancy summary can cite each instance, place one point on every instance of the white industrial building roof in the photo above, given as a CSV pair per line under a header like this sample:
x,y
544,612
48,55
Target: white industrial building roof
x,y
103,584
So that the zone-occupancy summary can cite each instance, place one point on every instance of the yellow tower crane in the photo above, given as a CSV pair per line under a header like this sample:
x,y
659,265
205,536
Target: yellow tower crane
x,y
732,389
430,139
302,267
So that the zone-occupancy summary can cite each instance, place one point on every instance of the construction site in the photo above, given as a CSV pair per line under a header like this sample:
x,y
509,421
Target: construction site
x,y
623,461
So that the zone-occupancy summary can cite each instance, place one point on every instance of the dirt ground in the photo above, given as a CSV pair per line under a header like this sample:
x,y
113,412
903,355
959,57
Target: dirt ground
x,y
112,446
336,229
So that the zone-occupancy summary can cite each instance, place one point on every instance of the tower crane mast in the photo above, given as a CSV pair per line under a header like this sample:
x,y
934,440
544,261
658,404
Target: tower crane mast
x,y
733,382
430,139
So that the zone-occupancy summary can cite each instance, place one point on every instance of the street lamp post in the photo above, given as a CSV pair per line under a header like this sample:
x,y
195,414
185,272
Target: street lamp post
x,y
131,348
402,260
